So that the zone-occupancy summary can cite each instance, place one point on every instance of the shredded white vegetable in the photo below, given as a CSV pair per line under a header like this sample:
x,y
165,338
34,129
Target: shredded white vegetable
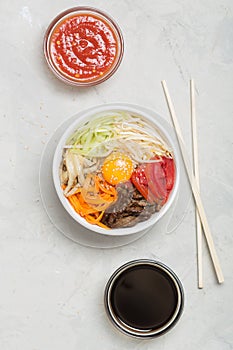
x,y
96,138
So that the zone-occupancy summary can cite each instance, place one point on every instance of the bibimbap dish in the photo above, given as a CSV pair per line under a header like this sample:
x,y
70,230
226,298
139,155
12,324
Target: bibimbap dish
x,y
114,170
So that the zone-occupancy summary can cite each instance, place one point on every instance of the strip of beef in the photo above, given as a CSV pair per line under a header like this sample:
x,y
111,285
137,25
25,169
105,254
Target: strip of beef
x,y
125,191
129,209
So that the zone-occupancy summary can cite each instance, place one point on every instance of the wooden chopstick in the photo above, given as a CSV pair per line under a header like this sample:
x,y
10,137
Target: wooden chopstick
x,y
194,187
196,174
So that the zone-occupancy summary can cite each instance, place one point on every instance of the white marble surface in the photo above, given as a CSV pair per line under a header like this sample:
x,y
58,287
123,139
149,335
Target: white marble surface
x,y
51,289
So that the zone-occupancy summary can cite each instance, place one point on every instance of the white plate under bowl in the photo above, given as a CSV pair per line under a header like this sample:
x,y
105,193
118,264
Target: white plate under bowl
x,y
155,120
79,234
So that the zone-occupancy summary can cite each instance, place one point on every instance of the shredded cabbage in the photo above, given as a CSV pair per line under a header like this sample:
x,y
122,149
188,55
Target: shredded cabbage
x,y
107,132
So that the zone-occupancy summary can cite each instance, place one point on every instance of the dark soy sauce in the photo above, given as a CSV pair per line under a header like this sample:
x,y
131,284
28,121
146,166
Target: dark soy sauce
x,y
144,297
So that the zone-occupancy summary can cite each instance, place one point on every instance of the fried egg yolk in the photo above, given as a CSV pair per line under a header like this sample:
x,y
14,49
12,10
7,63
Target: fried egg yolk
x,y
117,167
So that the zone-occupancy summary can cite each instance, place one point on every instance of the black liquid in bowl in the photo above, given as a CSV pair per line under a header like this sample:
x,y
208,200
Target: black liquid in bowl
x,y
144,298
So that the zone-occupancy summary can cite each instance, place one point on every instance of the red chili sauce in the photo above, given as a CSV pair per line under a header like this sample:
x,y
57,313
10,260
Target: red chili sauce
x,y
83,47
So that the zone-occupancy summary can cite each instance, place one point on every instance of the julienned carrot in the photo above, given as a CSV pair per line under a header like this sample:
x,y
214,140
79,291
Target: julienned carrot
x,y
92,215
93,221
103,226
91,200
82,209
96,218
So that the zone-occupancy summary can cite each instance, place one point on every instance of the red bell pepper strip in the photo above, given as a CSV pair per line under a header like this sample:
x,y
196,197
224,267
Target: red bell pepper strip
x,y
155,180
139,180
169,168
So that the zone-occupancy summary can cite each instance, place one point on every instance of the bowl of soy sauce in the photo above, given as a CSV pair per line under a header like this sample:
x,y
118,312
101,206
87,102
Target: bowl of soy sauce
x,y
144,298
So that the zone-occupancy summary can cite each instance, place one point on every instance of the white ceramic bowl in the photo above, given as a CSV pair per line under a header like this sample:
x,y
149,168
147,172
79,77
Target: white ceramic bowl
x,y
150,116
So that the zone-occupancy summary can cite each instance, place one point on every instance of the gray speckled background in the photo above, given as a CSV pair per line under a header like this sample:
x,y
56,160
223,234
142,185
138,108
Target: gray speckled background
x,y
51,294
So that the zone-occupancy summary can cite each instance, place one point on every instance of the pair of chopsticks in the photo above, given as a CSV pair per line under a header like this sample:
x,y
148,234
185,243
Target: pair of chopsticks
x,y
194,183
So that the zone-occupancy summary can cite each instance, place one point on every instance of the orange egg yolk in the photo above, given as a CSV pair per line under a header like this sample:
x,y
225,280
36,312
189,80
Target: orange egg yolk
x,y
117,168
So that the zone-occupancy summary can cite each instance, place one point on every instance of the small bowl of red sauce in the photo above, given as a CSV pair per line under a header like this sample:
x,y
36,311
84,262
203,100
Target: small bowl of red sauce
x,y
83,46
